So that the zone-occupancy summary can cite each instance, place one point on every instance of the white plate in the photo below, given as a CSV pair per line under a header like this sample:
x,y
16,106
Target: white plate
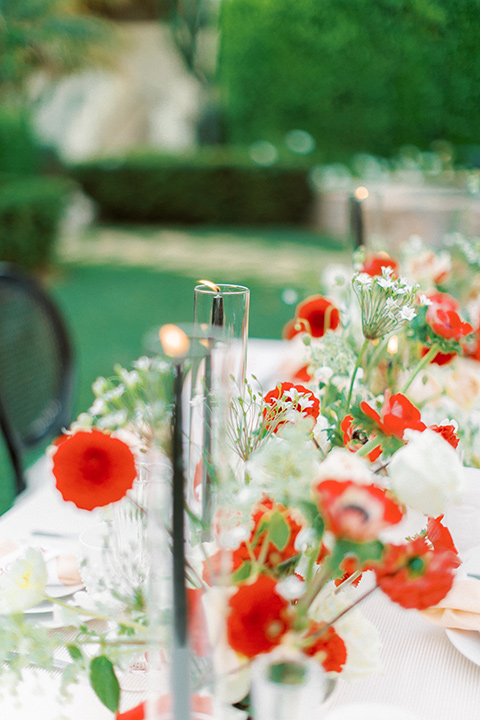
x,y
467,642
57,592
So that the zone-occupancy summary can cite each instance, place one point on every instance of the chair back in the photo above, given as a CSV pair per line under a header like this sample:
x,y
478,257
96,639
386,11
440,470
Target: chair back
x,y
35,362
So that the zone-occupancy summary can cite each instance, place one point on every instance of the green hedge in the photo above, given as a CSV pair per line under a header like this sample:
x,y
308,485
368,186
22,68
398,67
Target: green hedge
x,y
359,75
30,213
207,187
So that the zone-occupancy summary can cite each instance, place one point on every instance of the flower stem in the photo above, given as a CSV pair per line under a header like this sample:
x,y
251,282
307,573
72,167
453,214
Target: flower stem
x,y
94,615
370,445
355,370
423,363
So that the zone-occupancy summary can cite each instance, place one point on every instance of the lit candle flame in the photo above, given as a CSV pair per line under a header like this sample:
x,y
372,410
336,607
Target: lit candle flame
x,y
392,346
174,340
210,284
361,193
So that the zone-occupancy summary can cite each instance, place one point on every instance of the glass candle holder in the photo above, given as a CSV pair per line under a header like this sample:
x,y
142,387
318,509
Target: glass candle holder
x,y
227,307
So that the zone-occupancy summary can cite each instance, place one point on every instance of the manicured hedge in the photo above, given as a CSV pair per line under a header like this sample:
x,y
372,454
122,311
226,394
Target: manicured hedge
x,y
359,75
206,187
30,213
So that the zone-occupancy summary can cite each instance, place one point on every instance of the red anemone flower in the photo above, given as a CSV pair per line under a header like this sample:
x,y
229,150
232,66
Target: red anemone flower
x,y
373,265
353,439
288,398
93,469
396,415
440,358
315,315
415,576
354,511
440,536
329,648
448,433
257,618
447,323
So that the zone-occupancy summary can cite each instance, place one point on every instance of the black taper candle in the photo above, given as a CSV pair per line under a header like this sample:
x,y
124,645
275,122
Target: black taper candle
x,y
357,229
217,320
180,655
217,310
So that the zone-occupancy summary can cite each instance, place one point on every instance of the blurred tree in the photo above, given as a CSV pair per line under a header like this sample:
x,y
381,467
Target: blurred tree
x,y
359,75
56,36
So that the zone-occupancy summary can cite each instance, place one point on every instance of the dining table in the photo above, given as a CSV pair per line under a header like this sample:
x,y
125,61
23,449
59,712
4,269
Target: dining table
x,y
428,672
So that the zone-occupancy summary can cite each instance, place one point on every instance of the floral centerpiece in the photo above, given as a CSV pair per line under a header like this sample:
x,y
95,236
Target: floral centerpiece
x,y
326,467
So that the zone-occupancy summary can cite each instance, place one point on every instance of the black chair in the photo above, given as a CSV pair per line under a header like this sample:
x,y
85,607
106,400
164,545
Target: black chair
x,y
36,368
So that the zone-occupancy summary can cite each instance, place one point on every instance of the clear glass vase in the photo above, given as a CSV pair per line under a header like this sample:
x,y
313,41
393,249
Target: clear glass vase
x,y
287,687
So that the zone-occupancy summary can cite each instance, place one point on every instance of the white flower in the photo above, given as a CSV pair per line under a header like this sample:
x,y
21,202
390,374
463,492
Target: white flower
x,y
22,584
407,313
291,587
341,464
426,474
424,300
99,406
360,636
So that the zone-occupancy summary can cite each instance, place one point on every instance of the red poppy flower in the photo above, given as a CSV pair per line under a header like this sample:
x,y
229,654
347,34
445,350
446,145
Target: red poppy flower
x,y
448,433
136,713
93,469
440,358
329,648
257,618
353,439
396,415
286,399
302,375
272,555
440,536
447,323
315,315
357,512
373,265
415,576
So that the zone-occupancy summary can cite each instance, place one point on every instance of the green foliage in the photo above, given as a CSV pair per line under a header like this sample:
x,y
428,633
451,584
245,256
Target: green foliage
x,y
358,75
104,681
30,211
19,150
211,186
51,35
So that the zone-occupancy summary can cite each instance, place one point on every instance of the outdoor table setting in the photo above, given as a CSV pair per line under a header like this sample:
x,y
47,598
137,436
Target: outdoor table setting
x,y
242,528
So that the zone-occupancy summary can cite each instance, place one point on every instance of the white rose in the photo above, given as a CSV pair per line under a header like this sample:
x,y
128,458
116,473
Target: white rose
x,y
22,584
426,474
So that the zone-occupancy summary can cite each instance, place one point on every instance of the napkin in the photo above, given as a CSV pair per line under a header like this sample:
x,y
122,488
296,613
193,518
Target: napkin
x,y
62,568
459,609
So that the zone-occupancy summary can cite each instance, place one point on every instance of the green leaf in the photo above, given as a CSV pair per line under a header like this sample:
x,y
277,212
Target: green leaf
x,y
243,572
279,531
75,652
104,682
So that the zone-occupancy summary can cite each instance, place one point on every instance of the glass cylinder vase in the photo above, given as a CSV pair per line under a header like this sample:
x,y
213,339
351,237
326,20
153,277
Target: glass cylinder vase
x,y
287,687
186,597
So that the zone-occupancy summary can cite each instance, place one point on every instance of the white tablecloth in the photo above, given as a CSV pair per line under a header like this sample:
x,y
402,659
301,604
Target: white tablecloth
x,y
423,672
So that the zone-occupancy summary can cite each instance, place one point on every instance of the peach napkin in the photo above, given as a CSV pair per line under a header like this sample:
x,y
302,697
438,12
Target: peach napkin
x,y
459,609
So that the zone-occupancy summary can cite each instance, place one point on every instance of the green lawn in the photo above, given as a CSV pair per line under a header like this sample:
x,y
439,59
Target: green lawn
x,y
110,308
